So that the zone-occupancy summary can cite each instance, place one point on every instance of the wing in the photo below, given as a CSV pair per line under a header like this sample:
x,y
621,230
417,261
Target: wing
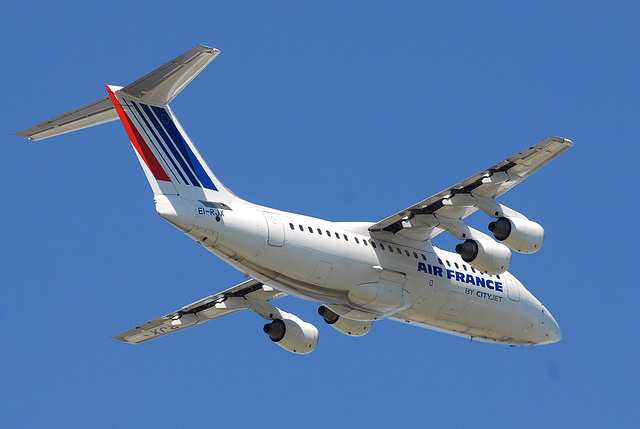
x,y
230,301
461,200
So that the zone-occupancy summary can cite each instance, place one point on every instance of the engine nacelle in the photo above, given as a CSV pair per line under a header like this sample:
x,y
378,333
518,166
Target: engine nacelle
x,y
521,235
355,328
293,335
485,255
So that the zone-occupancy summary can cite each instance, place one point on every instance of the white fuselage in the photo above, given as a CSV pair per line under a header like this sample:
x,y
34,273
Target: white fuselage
x,y
365,278
359,272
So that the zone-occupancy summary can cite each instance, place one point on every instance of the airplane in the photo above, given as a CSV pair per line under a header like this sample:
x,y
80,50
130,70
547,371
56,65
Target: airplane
x,y
359,272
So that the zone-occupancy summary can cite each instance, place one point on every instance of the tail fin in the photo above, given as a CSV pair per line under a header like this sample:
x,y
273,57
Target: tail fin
x,y
168,157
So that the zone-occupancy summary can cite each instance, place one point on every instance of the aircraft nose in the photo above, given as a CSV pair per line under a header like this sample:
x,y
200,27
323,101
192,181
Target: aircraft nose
x,y
551,329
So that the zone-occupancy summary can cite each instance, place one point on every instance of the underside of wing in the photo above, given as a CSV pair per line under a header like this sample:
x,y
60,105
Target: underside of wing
x,y
213,307
419,221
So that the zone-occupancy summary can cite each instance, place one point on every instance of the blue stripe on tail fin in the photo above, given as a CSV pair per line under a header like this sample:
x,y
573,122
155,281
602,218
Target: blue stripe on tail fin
x,y
158,127
171,162
183,147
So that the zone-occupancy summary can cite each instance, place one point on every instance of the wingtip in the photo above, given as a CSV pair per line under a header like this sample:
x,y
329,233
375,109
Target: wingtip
x,y
564,140
208,49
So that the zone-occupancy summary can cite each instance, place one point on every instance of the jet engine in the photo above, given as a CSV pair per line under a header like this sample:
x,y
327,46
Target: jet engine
x,y
485,255
293,335
355,328
521,235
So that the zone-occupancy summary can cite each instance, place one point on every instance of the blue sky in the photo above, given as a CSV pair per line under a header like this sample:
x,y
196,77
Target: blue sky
x,y
349,112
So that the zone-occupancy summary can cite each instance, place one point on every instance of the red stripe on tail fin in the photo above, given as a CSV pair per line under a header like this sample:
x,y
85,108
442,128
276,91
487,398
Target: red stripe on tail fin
x,y
138,142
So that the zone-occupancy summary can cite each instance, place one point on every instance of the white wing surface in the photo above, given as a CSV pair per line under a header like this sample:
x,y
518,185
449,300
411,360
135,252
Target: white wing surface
x,y
230,301
463,199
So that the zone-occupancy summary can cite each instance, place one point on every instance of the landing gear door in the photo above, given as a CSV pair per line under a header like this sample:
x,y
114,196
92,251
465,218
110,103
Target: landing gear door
x,y
385,297
393,277
275,229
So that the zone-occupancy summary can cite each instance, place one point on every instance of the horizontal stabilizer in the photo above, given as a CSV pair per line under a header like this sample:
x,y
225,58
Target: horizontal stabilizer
x,y
96,113
156,88
161,85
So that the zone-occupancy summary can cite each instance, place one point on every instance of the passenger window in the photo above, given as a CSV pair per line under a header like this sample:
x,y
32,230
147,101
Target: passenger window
x,y
291,226
365,242
319,231
373,244
406,252
391,249
356,239
440,261
424,258
399,251
415,255
473,270
301,228
382,246
310,230
328,233
448,263
464,267
345,237
337,236
456,264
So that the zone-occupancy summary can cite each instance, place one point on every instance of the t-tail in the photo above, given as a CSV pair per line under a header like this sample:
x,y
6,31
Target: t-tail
x,y
172,164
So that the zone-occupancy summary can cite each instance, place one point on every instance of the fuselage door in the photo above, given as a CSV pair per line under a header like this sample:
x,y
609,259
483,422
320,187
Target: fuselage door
x,y
275,229
321,273
455,304
513,289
